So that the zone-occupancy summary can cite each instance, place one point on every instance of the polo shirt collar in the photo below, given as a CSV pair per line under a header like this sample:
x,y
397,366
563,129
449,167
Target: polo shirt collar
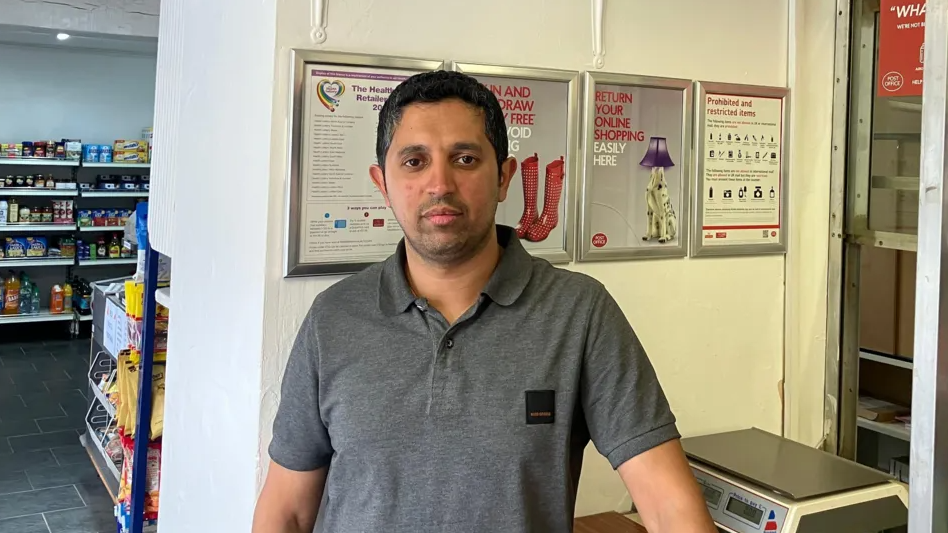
x,y
505,285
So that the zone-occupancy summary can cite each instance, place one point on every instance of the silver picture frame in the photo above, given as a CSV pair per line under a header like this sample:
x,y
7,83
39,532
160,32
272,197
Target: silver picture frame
x,y
588,252
565,253
698,248
298,124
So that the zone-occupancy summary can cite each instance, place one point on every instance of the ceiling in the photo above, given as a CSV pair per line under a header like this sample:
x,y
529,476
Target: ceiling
x,y
78,41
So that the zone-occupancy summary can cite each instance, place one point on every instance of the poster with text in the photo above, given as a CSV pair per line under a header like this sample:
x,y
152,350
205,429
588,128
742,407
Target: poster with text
x,y
637,172
343,217
741,147
536,113
901,47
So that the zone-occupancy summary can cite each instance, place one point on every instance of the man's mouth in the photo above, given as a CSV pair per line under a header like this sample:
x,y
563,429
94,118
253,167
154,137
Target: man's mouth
x,y
442,216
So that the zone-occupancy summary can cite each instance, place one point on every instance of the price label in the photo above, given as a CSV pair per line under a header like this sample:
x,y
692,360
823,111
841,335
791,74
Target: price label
x,y
114,333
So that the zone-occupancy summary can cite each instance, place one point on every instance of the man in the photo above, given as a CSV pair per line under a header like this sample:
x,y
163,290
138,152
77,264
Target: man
x,y
454,387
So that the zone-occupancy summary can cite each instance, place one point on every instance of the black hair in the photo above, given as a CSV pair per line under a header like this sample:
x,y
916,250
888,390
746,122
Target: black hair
x,y
436,86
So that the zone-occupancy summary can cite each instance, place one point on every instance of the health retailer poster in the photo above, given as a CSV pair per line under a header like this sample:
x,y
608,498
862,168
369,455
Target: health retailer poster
x,y
536,114
901,47
636,171
742,154
344,217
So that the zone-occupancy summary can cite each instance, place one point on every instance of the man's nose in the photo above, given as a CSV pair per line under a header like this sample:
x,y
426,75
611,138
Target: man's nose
x,y
441,180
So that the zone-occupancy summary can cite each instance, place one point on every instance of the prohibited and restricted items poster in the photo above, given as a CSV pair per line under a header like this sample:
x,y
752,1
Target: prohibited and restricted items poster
x,y
741,171
339,220
637,167
539,110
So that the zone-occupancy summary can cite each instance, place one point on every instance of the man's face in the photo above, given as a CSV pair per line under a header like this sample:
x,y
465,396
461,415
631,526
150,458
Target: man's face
x,y
441,180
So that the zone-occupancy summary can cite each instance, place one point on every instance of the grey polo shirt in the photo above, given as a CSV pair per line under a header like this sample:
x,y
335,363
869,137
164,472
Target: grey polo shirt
x,y
479,426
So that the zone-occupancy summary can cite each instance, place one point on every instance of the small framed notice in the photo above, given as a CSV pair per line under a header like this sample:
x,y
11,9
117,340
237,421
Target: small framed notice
x,y
637,174
741,182
338,222
541,110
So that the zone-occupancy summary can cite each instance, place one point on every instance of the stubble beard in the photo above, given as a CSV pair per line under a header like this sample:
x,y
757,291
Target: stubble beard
x,y
453,245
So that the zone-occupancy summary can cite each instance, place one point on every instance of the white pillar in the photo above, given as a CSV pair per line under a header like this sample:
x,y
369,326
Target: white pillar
x,y
928,486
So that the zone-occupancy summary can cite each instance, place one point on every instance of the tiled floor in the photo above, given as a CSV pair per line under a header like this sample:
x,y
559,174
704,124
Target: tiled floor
x,y
47,482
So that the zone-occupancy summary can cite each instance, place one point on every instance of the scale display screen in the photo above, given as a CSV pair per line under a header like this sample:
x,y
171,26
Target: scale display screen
x,y
711,495
747,512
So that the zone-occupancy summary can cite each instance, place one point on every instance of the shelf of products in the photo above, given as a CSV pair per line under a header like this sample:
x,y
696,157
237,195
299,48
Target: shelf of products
x,y
38,191
38,262
115,165
42,316
36,228
102,262
36,161
114,194
83,318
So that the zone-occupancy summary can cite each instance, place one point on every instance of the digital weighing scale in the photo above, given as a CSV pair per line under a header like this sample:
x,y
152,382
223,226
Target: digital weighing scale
x,y
754,481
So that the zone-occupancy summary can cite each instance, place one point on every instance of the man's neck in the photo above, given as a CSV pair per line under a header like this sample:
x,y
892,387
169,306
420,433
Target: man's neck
x,y
453,290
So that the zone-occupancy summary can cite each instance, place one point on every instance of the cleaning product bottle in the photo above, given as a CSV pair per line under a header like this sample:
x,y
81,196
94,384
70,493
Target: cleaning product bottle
x,y
11,289
14,215
67,298
56,304
4,212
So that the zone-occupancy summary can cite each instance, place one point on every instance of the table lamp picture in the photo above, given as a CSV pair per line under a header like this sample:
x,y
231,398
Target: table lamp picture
x,y
532,226
661,222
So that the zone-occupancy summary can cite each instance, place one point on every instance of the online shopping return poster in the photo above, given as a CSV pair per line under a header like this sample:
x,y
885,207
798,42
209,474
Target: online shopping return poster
x,y
536,115
634,192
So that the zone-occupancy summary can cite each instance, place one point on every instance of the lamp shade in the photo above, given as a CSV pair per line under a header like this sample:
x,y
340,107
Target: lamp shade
x,y
657,154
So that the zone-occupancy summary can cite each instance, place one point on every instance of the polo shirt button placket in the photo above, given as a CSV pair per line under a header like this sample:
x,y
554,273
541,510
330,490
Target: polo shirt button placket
x,y
449,343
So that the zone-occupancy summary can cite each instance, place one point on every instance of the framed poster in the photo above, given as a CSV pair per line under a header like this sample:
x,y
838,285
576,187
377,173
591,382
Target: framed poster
x,y
338,222
541,110
741,183
637,173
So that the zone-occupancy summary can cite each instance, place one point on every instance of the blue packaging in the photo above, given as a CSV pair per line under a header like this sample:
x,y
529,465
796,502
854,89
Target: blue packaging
x,y
90,153
105,153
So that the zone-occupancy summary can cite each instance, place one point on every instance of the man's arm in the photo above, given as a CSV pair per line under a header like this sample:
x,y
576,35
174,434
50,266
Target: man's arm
x,y
665,492
289,501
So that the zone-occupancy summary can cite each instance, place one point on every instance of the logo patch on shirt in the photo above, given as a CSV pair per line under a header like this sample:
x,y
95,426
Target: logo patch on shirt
x,y
541,406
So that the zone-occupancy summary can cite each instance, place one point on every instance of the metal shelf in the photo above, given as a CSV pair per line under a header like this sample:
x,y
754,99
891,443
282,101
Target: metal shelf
x,y
42,316
83,318
36,228
885,359
899,183
37,191
104,466
892,429
108,262
116,165
9,263
101,228
103,399
38,162
114,194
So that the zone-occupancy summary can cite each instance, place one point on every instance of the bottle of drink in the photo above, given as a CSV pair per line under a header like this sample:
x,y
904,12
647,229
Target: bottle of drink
x,y
115,247
67,298
26,297
101,249
4,212
11,289
35,303
56,303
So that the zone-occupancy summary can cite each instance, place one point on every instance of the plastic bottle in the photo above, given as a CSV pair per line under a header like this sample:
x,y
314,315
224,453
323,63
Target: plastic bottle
x,y
26,297
11,301
67,298
14,215
4,212
56,302
35,304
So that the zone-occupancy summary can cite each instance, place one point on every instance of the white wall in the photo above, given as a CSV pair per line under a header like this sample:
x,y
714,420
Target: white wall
x,y
714,328
48,93
120,17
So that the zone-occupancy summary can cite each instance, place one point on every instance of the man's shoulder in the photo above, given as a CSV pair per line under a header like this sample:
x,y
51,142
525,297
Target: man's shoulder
x,y
548,278
357,289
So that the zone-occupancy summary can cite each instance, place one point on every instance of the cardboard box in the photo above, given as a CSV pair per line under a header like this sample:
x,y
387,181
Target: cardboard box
x,y
879,410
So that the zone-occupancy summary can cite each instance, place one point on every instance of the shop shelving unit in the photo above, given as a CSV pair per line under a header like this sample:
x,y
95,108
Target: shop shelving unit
x,y
7,166
878,274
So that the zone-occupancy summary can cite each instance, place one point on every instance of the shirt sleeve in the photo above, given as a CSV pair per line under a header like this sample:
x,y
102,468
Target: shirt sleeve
x,y
300,438
624,404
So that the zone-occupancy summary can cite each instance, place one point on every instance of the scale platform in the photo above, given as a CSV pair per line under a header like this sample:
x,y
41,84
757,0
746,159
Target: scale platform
x,y
754,481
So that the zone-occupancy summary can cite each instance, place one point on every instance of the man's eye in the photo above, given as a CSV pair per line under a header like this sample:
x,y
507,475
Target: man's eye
x,y
413,162
467,160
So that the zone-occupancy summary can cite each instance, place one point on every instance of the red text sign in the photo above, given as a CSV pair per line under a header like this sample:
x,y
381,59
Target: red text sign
x,y
901,47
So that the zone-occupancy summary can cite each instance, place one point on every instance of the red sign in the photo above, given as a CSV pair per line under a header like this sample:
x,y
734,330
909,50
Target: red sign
x,y
599,240
901,47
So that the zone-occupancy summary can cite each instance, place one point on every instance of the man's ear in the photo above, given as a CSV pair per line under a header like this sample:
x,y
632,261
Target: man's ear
x,y
378,178
507,170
